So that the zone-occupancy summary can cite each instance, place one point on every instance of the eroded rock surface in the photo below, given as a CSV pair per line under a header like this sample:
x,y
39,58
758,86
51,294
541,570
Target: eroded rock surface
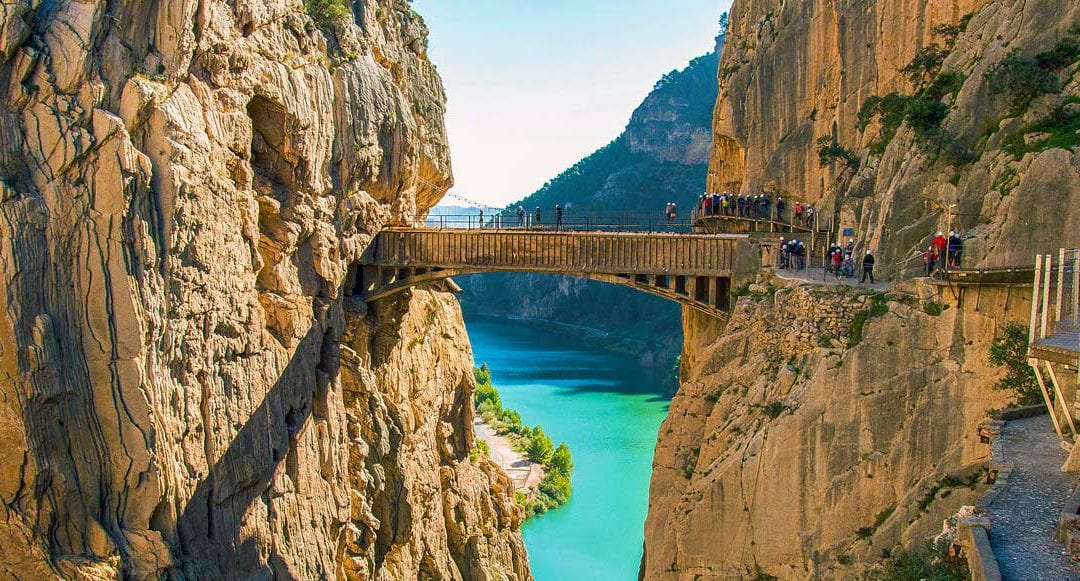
x,y
797,72
795,450
184,188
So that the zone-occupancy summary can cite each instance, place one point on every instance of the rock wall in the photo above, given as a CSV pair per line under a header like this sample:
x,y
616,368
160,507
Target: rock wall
x,y
797,72
184,187
801,449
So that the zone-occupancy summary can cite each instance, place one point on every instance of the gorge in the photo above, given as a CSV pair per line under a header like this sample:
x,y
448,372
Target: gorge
x,y
190,387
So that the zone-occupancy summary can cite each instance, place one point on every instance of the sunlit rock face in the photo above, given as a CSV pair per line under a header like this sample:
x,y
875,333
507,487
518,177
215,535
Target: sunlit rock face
x,y
808,461
796,451
184,188
795,72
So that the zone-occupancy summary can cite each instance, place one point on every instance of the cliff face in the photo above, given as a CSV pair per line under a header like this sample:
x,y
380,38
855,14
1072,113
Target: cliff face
x,y
184,187
797,72
795,450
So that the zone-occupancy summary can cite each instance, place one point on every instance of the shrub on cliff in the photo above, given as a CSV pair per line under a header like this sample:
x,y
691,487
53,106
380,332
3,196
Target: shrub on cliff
x,y
556,486
326,13
1010,351
1019,79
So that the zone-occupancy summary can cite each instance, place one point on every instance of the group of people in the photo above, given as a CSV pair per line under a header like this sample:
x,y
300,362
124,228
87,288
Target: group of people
x,y
792,254
839,260
537,217
944,252
759,207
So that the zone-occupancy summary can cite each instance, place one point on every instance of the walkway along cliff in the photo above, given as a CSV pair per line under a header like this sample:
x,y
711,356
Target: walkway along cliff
x,y
184,390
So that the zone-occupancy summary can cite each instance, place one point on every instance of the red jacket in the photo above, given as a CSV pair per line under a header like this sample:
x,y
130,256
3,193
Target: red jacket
x,y
940,244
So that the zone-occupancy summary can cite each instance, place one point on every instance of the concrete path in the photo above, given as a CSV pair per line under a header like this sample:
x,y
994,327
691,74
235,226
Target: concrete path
x,y
1023,517
524,472
814,276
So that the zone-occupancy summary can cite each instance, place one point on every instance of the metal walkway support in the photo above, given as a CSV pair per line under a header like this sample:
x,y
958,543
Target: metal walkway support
x,y
692,269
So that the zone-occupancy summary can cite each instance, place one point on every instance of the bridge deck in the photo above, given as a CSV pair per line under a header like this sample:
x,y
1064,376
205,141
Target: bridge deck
x,y
693,269
559,252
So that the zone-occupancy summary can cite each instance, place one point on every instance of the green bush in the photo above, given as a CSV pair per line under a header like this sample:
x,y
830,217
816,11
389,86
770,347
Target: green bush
x,y
540,447
1065,53
774,409
829,152
327,13
929,564
925,65
486,393
1062,126
1010,351
482,374
556,486
561,460
948,83
934,308
1019,79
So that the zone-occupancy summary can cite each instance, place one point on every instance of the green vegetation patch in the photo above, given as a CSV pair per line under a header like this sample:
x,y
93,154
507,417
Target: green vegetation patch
x,y
1019,79
327,13
934,308
1010,350
1060,127
555,488
830,152
879,307
928,564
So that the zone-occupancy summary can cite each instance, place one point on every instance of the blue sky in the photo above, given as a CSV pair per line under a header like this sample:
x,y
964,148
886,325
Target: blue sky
x,y
535,85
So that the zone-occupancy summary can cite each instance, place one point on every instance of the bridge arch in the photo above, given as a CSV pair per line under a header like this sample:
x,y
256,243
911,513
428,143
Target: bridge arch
x,y
692,269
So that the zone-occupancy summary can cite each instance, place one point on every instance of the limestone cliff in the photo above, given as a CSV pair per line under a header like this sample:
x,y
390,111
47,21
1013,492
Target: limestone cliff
x,y
803,442
795,73
184,188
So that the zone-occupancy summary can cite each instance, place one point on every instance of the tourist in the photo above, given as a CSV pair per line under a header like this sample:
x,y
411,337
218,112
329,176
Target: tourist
x,y
941,247
716,201
930,257
765,203
783,254
800,255
867,268
798,213
481,217
537,221
955,245
837,262
521,216
558,216
706,205
780,209
674,212
810,216
726,204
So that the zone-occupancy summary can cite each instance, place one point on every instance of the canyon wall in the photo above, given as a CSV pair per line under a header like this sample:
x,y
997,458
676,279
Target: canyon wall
x,y
794,73
793,449
800,448
186,387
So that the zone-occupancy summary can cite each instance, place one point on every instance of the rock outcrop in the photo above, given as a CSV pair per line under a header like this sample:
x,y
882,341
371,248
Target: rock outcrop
x,y
795,73
184,188
814,430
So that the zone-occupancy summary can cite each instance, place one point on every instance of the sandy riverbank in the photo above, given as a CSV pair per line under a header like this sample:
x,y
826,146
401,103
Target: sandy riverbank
x,y
525,473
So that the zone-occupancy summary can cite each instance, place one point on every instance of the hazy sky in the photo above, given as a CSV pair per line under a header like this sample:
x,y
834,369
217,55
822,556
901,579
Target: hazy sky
x,y
535,85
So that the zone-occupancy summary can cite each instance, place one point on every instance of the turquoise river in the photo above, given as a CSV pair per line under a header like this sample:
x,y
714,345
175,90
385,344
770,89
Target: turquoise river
x,y
607,410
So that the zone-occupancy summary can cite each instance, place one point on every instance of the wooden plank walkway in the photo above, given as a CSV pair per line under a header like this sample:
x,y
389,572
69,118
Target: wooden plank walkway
x,y
694,269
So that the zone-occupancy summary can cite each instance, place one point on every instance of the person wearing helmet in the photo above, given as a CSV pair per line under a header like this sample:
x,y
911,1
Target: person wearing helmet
x,y
538,218
558,216
941,247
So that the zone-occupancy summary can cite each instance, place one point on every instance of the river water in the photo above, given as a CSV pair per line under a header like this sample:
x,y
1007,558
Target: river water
x,y
605,407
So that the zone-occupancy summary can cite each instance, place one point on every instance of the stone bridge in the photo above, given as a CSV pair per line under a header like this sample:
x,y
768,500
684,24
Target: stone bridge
x,y
693,269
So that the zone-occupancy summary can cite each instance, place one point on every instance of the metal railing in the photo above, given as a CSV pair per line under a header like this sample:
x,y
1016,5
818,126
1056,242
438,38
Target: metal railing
x,y
549,222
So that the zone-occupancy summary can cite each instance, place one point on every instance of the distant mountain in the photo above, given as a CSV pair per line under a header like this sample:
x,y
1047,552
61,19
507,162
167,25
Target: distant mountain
x,y
662,156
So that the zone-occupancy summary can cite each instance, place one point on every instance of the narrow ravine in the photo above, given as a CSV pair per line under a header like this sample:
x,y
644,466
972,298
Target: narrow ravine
x,y
608,411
